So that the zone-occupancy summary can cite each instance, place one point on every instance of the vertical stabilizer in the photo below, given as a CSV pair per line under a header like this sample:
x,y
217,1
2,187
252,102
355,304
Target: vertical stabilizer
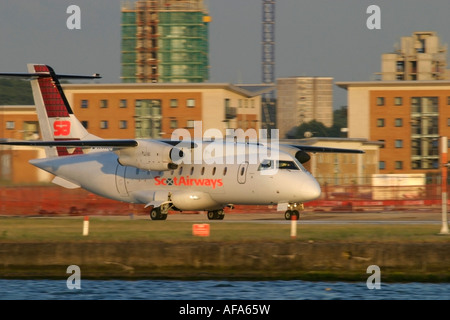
x,y
56,119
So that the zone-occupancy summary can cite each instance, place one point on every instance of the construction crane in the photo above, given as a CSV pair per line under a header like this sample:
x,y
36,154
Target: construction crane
x,y
268,63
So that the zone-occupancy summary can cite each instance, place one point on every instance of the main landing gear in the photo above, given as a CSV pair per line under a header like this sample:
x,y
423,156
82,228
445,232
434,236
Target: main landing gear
x,y
160,213
293,210
216,215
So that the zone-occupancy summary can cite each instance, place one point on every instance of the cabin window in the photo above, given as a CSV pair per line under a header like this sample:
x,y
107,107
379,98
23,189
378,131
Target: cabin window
x,y
203,170
192,171
214,171
180,172
225,171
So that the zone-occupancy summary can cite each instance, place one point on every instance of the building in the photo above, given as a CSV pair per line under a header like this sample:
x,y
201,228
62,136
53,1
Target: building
x,y
407,116
164,41
341,168
155,110
303,99
419,57
145,110
19,122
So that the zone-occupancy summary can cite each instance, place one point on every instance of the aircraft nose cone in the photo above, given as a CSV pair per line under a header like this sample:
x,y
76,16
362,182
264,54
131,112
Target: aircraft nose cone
x,y
311,190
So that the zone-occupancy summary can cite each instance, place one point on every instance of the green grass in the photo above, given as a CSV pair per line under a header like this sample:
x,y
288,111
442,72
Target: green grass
x,y
29,229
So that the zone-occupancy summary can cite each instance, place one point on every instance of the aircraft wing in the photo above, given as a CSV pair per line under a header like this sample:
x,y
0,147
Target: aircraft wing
x,y
315,149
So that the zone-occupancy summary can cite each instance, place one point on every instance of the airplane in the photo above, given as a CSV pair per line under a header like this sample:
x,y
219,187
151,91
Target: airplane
x,y
163,174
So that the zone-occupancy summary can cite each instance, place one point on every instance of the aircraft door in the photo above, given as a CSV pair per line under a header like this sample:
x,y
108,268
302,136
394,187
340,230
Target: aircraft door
x,y
120,180
242,172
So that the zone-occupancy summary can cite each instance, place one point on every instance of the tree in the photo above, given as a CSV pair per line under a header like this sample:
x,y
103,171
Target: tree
x,y
318,129
15,92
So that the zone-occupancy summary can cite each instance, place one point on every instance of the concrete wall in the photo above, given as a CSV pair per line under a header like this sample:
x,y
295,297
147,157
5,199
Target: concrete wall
x,y
240,260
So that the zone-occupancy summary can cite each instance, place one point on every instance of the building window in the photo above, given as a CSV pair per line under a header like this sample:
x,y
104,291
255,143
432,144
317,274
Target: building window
x,y
123,124
173,103
148,118
448,122
10,125
173,124
103,103
380,122
123,103
398,101
382,165
189,123
85,124
190,103
398,164
84,104
399,122
380,101
384,142
104,124
399,143
448,100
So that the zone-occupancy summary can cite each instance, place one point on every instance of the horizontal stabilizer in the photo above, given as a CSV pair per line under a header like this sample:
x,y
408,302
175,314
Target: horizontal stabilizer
x,y
106,143
48,75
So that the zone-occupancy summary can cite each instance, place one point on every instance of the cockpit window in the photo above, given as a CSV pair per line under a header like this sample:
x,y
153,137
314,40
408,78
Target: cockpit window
x,y
265,164
281,164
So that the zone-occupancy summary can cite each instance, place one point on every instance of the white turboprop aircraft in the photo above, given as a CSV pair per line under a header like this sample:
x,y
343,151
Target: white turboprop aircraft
x,y
164,174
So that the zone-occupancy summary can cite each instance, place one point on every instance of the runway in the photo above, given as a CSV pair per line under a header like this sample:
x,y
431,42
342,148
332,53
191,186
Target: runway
x,y
313,218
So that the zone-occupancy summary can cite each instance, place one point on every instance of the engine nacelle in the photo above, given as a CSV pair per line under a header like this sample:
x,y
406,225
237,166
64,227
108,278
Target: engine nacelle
x,y
195,200
150,155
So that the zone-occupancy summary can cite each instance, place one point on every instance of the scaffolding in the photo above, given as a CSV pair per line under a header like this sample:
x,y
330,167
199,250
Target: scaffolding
x,y
268,103
165,41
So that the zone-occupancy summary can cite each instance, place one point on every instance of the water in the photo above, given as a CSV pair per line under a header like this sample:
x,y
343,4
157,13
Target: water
x,y
218,290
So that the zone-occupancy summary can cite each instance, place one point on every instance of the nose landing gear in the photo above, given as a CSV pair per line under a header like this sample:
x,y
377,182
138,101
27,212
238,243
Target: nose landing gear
x,y
293,210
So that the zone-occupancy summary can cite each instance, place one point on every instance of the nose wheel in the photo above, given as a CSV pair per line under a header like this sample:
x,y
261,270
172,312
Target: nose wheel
x,y
293,211
289,213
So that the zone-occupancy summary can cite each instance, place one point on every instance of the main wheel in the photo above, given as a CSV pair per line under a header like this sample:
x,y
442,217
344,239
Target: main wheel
x,y
155,214
212,215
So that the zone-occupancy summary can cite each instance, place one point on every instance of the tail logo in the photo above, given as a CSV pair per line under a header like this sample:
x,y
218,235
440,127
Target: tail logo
x,y
61,128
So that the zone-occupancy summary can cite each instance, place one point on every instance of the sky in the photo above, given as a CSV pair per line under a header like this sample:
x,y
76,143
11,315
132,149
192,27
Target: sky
x,y
328,38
